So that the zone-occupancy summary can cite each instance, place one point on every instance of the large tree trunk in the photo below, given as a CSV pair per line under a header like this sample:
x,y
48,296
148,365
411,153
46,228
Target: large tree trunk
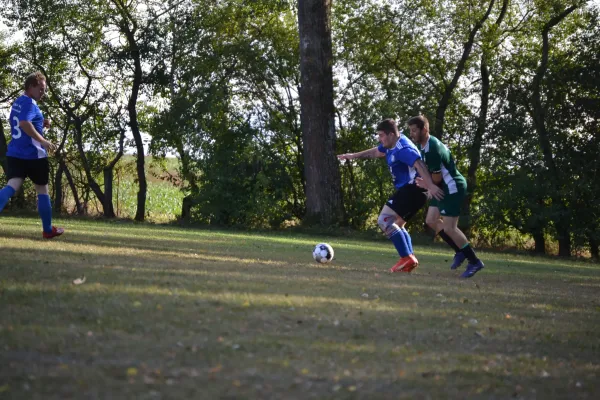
x,y
444,102
317,116
538,115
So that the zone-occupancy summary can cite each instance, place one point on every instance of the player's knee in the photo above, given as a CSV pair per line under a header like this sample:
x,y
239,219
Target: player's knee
x,y
41,189
432,222
386,222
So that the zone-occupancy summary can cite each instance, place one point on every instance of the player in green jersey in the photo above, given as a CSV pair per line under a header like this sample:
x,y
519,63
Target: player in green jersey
x,y
442,215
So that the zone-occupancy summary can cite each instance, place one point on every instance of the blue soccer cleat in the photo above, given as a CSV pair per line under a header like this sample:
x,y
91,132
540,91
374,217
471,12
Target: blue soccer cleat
x,y
458,259
472,269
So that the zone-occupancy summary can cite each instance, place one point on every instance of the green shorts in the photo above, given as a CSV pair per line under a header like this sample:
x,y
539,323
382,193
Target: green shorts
x,y
451,203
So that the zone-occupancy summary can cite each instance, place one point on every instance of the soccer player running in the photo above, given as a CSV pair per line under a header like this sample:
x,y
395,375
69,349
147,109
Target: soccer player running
x,y
27,155
442,215
404,161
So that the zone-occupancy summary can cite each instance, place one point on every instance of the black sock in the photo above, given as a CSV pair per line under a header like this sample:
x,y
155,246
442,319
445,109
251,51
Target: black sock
x,y
470,254
449,240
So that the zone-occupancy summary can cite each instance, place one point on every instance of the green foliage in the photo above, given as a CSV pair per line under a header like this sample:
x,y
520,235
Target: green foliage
x,y
220,83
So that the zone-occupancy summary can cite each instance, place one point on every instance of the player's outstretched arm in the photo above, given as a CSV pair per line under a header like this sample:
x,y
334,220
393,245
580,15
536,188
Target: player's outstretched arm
x,y
370,153
434,190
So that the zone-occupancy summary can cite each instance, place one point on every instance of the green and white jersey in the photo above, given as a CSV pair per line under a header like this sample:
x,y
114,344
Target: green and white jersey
x,y
438,159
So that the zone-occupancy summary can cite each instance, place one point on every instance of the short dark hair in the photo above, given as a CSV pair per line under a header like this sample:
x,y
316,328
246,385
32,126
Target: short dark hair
x,y
388,126
34,79
420,121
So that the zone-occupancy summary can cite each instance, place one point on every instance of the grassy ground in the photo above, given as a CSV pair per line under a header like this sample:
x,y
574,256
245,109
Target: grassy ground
x,y
168,313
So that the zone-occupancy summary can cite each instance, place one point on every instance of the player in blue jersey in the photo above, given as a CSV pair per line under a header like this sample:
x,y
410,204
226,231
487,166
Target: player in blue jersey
x,y
27,155
404,161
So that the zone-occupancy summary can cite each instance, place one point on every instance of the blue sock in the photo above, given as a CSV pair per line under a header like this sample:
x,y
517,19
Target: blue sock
x,y
400,243
5,195
408,240
45,210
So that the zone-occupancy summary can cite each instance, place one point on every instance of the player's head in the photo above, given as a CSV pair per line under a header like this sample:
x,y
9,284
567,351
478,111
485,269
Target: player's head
x,y
419,128
387,132
35,85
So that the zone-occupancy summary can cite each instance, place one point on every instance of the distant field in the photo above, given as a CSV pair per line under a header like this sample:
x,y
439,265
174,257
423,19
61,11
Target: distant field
x,y
163,199
170,313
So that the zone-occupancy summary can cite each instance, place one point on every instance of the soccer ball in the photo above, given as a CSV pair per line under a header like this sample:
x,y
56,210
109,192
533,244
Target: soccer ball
x,y
323,253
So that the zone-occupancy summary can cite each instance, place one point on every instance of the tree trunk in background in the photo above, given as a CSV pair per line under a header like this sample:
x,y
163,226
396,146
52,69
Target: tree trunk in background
x,y
323,183
86,165
58,192
440,114
136,57
540,242
109,211
78,205
475,150
538,112
3,148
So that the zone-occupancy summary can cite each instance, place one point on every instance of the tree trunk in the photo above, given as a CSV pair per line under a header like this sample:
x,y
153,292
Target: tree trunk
x,y
440,114
317,116
475,150
538,115
3,148
107,206
540,242
78,205
135,55
86,166
58,189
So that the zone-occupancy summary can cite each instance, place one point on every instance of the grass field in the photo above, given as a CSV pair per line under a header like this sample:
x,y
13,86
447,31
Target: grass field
x,y
170,313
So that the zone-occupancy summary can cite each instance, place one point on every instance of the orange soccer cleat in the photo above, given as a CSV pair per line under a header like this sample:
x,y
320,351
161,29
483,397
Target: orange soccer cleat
x,y
55,232
406,264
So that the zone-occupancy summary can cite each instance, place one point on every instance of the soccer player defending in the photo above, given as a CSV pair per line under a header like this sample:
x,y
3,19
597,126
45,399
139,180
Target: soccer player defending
x,y
442,215
27,151
404,161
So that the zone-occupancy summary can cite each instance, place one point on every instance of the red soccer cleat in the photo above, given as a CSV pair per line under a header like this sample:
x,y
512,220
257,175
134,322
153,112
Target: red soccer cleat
x,y
406,264
55,232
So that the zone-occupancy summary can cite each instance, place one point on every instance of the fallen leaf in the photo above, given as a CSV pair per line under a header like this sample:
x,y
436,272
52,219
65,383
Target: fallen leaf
x,y
131,371
215,369
544,374
79,281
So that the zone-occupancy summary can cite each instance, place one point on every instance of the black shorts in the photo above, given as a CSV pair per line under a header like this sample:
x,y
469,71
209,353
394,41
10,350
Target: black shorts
x,y
407,201
38,170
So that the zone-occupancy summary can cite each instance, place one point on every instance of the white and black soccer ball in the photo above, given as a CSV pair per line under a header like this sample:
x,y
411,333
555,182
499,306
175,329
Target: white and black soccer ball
x,y
323,253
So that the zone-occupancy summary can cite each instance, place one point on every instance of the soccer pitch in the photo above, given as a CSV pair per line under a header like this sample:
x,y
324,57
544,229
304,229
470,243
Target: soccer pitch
x,y
170,313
